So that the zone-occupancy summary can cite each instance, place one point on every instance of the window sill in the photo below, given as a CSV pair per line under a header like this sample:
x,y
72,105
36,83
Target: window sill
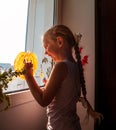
x,y
19,98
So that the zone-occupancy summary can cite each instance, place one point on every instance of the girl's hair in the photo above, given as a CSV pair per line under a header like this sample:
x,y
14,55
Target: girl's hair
x,y
68,36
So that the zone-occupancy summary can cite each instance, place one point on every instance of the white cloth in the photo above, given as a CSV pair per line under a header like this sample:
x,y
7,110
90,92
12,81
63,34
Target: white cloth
x,y
61,111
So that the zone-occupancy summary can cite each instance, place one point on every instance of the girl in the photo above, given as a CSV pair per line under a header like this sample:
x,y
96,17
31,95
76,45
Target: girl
x,y
63,88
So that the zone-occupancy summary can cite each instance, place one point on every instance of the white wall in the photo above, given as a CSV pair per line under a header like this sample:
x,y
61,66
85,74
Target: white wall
x,y
79,16
24,114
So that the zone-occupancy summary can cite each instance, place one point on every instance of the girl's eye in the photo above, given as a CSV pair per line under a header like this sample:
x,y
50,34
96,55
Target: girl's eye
x,y
45,49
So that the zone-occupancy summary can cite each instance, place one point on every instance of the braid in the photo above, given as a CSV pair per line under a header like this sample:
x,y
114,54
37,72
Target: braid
x,y
82,80
83,100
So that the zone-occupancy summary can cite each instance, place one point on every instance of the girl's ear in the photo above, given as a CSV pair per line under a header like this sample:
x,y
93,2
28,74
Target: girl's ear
x,y
60,41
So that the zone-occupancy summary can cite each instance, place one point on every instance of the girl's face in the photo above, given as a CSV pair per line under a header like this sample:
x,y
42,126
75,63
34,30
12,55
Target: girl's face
x,y
51,47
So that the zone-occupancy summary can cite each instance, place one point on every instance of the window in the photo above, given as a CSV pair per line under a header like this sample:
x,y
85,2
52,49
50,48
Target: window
x,y
22,24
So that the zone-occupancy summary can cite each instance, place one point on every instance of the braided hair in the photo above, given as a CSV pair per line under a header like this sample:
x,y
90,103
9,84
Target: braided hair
x,y
68,36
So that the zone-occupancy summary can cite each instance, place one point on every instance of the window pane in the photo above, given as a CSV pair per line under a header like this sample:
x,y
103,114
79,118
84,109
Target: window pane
x,y
41,18
13,21
22,33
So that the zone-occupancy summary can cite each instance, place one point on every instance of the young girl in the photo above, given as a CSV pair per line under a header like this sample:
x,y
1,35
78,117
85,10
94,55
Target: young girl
x,y
63,88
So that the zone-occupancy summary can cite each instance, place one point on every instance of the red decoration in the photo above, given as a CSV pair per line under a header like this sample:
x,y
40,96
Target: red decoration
x,y
44,80
80,49
85,60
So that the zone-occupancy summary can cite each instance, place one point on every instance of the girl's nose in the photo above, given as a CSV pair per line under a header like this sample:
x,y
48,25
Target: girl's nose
x,y
46,52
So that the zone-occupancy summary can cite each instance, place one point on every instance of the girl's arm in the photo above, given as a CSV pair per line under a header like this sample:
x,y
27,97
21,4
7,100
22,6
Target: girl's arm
x,y
45,96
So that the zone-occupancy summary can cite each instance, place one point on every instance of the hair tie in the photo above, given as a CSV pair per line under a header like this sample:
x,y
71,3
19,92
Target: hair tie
x,y
78,37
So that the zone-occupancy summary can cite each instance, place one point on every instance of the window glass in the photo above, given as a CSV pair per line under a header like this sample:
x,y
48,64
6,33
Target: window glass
x,y
13,19
40,19
22,24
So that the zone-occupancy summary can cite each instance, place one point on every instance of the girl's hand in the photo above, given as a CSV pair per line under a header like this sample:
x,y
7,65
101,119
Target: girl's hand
x,y
28,68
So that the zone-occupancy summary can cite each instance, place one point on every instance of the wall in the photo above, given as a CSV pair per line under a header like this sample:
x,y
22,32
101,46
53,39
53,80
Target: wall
x,y
79,16
23,114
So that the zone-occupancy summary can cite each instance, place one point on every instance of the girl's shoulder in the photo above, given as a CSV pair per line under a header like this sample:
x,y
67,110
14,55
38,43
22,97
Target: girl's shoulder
x,y
61,65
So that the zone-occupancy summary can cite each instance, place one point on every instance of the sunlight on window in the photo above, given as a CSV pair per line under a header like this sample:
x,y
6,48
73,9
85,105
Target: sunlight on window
x,y
13,19
22,22
13,22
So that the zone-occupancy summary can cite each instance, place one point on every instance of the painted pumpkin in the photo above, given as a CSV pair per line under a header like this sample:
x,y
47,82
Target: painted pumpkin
x,y
25,56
